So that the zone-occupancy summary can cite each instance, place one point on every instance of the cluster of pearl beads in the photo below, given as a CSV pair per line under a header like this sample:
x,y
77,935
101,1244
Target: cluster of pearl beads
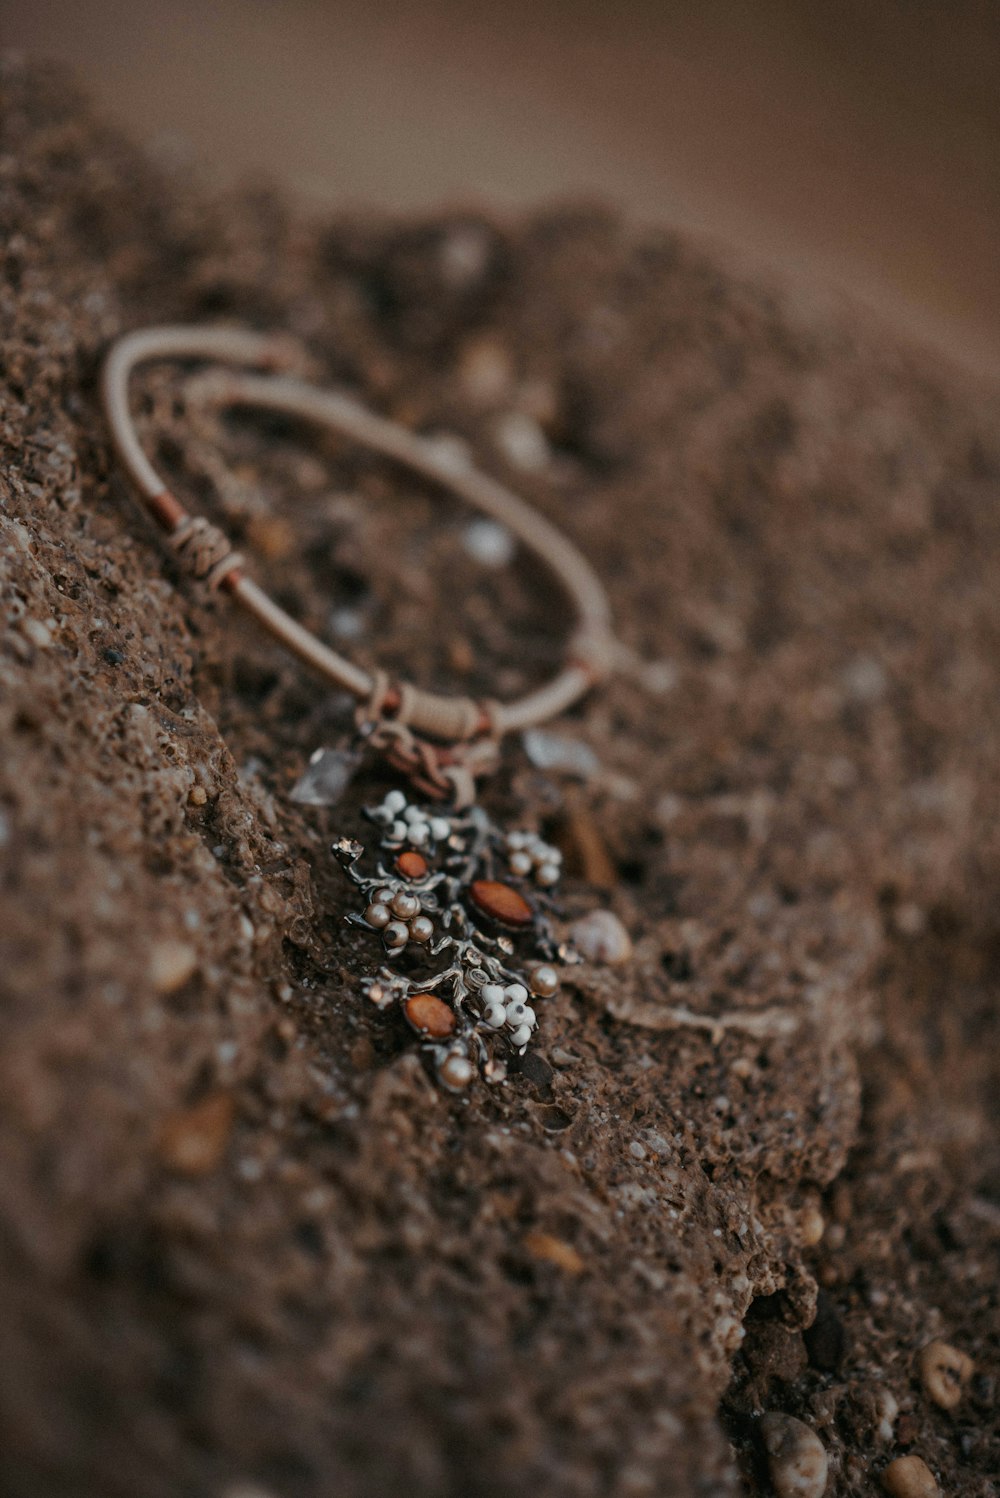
x,y
405,823
398,914
528,856
505,1006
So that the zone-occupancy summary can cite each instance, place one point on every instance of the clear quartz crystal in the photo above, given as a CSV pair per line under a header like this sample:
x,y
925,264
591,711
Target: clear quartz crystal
x,y
329,774
557,751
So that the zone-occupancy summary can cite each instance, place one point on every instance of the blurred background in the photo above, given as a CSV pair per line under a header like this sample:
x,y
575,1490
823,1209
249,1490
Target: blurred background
x,y
857,143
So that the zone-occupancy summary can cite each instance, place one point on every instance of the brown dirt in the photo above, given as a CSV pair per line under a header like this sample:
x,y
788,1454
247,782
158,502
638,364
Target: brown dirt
x,y
242,1238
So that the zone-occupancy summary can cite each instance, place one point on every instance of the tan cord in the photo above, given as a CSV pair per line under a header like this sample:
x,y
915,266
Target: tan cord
x,y
206,553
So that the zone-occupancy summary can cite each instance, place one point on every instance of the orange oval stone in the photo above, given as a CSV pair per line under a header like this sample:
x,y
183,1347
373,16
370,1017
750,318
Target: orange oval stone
x,y
430,1016
502,902
411,865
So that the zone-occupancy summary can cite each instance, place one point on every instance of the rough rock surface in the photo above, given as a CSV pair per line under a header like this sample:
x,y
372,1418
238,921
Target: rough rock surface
x,y
243,1239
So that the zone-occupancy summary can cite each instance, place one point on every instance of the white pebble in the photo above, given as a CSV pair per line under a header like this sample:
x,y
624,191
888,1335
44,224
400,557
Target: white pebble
x,y
601,937
796,1457
489,543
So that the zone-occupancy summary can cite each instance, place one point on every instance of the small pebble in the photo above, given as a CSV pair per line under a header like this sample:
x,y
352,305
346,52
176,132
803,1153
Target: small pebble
x,y
600,936
909,1477
554,1251
887,1409
489,543
171,964
812,1226
796,1457
194,1140
944,1373
197,795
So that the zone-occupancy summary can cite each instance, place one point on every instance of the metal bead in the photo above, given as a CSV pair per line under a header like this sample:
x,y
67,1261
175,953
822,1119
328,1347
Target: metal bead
x,y
378,915
456,1072
405,905
421,928
544,981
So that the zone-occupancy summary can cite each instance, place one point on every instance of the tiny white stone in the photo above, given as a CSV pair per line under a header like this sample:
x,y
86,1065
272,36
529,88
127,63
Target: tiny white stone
x,y
419,833
521,1036
492,993
548,873
440,829
397,831
394,802
515,993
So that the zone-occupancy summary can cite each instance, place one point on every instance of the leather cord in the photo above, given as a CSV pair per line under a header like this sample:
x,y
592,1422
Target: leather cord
x,y
203,548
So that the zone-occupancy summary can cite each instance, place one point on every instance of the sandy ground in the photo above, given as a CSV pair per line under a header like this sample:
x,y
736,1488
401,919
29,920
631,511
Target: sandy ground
x,y
245,1244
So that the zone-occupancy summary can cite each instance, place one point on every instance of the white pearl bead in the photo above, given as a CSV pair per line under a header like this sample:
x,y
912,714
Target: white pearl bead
x,y
520,863
521,1036
378,916
397,831
495,1015
394,802
517,1014
440,829
413,814
515,993
517,840
548,874
405,905
422,928
492,993
419,832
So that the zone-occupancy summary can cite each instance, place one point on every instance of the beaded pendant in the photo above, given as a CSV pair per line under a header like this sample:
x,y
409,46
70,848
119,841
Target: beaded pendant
x,y
463,912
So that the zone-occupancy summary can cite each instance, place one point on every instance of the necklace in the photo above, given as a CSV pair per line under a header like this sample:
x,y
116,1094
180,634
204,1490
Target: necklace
x,y
463,910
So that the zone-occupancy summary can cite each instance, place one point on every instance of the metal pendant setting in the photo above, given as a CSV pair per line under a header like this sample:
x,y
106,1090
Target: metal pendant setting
x,y
452,900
